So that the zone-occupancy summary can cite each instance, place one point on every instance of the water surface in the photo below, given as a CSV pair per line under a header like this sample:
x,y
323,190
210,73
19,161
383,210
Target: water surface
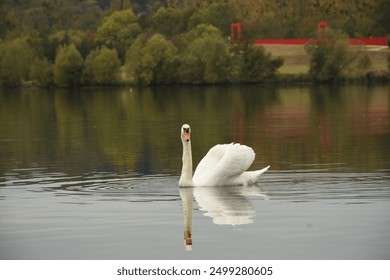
x,y
93,173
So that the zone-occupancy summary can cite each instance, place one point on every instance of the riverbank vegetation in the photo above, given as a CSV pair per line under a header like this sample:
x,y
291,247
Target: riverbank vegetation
x,y
71,43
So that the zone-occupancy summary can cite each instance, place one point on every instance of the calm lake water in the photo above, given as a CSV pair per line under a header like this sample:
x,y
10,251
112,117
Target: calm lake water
x,y
93,173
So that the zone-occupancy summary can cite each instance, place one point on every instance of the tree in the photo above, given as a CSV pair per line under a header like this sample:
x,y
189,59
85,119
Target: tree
x,y
169,21
105,66
199,31
381,16
119,5
133,64
83,41
220,15
88,77
330,56
259,65
15,61
41,72
158,61
119,30
206,59
68,66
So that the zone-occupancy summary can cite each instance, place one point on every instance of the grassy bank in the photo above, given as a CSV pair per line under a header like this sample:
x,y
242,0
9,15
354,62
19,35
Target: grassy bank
x,y
296,63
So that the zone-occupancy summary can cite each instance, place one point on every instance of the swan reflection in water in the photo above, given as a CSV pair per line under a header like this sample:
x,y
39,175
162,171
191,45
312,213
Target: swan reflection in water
x,y
187,198
226,205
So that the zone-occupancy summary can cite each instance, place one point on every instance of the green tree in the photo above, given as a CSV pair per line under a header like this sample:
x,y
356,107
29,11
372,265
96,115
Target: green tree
x,y
199,31
257,64
206,59
105,66
220,15
83,41
41,72
133,64
119,30
330,56
88,77
119,5
158,61
381,15
169,21
15,61
68,66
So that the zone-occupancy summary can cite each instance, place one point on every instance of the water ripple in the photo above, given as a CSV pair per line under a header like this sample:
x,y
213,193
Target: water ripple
x,y
297,186
132,187
304,187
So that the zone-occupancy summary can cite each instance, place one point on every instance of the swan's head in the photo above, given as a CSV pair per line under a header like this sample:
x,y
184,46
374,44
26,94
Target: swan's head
x,y
185,133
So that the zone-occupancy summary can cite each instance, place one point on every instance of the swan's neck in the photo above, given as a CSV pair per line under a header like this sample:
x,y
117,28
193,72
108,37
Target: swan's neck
x,y
186,171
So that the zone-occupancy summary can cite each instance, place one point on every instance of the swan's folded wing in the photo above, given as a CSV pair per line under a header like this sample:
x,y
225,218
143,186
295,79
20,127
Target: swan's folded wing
x,y
223,164
209,161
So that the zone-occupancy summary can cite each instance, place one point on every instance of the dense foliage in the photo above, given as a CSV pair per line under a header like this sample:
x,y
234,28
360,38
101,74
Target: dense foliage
x,y
68,66
329,56
70,42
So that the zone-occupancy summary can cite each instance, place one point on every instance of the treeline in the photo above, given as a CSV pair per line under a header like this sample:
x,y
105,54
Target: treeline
x,y
75,42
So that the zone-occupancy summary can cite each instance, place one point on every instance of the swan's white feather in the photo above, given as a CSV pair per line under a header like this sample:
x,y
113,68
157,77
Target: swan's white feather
x,y
225,165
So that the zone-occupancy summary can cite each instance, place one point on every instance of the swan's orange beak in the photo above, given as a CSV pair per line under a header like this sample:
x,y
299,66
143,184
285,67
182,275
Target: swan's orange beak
x,y
186,136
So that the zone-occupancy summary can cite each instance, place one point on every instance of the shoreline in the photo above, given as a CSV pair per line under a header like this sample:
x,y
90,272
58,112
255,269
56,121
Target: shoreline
x,y
366,78
294,70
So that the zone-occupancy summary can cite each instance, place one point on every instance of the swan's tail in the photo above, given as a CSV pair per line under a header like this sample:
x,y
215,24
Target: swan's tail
x,y
252,177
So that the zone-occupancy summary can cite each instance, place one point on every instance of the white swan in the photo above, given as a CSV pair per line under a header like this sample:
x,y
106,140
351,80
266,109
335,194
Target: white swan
x,y
223,165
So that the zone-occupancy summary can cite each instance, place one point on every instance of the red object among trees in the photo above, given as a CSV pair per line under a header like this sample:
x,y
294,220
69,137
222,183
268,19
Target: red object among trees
x,y
235,27
236,32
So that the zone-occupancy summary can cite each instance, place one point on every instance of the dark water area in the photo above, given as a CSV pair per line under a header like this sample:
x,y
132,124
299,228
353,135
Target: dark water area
x,y
93,173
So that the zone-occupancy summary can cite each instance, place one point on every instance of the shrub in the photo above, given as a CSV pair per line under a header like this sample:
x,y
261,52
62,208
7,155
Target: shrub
x,y
105,66
15,62
41,72
88,77
152,61
169,21
206,58
330,56
119,30
68,66
257,64
220,15
209,58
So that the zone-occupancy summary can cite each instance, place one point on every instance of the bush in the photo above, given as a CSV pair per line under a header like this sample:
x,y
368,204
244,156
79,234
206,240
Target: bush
x,y
205,57
15,61
88,77
152,61
105,66
119,30
257,64
68,66
206,60
330,56
220,15
169,22
41,72
83,41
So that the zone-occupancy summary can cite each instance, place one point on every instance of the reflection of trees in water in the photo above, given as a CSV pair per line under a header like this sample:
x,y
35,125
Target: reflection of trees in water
x,y
120,130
